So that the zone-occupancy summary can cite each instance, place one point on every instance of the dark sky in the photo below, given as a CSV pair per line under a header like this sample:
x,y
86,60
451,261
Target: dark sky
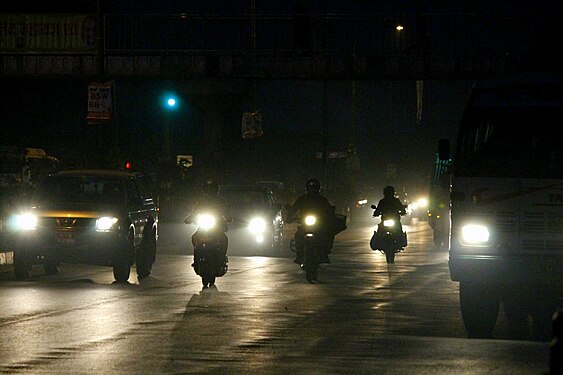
x,y
286,6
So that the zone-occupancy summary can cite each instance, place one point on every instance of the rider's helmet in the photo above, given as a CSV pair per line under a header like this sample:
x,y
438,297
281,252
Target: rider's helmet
x,y
210,188
389,191
313,186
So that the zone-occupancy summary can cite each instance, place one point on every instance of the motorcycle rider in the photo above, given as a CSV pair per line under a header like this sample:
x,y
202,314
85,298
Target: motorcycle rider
x,y
390,206
212,202
313,200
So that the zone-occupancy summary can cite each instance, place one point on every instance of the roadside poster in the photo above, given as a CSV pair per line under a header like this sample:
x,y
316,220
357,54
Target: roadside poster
x,y
100,102
251,125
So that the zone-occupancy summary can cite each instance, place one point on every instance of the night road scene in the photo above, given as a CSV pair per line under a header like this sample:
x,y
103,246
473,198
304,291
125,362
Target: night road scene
x,y
274,187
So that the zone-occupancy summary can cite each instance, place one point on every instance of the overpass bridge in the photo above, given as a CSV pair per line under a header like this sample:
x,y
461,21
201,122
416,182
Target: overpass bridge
x,y
292,46
220,56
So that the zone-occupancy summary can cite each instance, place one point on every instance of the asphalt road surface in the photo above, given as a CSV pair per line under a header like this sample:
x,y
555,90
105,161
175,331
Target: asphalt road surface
x,y
262,317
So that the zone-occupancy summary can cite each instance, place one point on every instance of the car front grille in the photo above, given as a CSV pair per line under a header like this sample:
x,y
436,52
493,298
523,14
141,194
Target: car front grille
x,y
65,222
536,230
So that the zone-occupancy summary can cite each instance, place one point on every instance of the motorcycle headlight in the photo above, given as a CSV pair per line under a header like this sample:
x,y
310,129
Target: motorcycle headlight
x,y
388,223
257,225
475,234
206,221
310,220
105,223
26,221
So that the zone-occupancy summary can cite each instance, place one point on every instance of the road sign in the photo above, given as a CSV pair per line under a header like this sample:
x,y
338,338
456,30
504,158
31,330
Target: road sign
x,y
100,102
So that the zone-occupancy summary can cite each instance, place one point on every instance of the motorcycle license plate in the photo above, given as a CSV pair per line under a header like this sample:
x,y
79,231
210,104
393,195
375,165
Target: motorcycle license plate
x,y
64,238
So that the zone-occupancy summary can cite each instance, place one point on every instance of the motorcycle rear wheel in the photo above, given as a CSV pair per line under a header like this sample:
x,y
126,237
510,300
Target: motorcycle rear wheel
x,y
207,280
207,271
311,263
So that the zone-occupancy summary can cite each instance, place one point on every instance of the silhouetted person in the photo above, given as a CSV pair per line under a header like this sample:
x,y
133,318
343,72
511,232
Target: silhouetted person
x,y
213,203
314,201
390,206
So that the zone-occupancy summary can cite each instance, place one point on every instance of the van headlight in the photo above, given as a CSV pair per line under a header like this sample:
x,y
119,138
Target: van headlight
x,y
257,225
474,234
27,221
105,223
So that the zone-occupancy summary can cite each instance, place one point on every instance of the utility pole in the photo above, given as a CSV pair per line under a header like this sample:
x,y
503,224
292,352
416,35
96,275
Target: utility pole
x,y
325,132
325,94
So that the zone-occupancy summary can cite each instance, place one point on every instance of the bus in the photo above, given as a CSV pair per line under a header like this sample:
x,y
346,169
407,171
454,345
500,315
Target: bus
x,y
506,204
439,197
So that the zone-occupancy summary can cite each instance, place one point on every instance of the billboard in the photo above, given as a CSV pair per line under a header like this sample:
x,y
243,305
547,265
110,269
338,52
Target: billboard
x,y
48,33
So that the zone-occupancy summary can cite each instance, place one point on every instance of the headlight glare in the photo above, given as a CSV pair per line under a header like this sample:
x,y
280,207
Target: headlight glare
x,y
389,223
475,234
105,223
26,221
310,220
206,221
257,225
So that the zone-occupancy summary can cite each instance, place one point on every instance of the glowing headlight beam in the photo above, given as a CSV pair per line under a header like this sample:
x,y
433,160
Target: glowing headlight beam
x,y
388,223
206,221
475,234
257,225
310,220
105,223
26,221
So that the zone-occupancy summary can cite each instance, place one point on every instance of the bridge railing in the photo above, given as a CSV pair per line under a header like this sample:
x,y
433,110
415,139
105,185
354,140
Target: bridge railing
x,y
339,46
361,35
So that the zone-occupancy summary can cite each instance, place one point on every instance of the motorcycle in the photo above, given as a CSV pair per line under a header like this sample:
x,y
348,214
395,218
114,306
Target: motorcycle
x,y
389,238
210,244
314,239
308,241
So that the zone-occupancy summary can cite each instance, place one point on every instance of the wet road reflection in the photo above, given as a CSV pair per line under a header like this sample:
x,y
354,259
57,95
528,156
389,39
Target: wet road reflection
x,y
365,316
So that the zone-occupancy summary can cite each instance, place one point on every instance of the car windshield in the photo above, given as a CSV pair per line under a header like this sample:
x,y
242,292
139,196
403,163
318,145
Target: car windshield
x,y
80,189
244,198
511,142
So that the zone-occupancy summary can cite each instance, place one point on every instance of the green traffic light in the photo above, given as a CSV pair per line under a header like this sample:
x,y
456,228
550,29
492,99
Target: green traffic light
x,y
169,101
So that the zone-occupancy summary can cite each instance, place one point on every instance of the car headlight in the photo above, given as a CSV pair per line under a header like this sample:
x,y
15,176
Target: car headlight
x,y
27,221
388,223
310,220
206,221
105,223
257,225
361,202
475,234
